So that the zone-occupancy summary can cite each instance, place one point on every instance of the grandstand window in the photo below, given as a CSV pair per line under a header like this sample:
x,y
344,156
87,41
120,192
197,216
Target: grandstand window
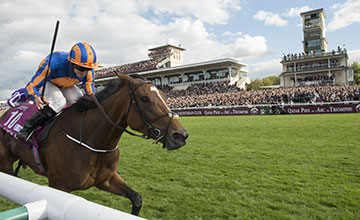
x,y
201,76
194,76
175,79
315,33
156,80
312,23
233,72
207,75
213,75
314,43
222,73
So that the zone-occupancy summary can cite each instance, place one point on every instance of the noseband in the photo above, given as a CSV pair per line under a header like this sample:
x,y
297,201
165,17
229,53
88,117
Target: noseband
x,y
153,132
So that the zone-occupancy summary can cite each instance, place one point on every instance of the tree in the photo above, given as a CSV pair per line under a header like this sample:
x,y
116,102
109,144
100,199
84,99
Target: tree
x,y
271,80
267,81
356,67
255,84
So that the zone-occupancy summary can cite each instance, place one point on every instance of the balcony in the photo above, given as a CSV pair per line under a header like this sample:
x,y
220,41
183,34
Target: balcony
x,y
314,66
303,56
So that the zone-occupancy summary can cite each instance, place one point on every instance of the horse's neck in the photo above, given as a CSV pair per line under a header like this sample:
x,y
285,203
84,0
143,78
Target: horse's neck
x,y
102,131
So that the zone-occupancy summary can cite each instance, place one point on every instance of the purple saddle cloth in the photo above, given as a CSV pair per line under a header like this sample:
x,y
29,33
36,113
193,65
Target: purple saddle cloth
x,y
15,119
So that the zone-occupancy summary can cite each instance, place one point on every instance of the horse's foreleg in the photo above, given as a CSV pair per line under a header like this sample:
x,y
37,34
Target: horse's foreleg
x,y
118,186
6,160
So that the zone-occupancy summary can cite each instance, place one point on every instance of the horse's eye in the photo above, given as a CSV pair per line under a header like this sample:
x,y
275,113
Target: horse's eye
x,y
144,99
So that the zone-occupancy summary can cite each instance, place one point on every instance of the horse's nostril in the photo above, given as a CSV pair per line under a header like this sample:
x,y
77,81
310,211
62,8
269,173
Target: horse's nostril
x,y
180,136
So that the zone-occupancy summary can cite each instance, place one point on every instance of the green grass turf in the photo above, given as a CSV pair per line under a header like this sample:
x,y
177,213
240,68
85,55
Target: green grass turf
x,y
243,167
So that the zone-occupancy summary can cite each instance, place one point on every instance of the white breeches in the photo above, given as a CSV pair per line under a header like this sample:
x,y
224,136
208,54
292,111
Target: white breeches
x,y
60,97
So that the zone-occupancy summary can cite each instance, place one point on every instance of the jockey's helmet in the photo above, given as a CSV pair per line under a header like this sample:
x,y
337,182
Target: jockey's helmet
x,y
83,54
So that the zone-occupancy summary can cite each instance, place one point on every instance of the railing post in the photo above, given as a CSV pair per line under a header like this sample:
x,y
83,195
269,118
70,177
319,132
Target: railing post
x,y
15,214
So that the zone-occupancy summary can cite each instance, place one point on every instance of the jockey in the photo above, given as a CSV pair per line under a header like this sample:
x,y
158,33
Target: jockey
x,y
17,97
66,70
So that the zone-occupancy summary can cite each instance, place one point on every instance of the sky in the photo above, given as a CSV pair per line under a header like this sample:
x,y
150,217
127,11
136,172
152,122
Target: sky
x,y
254,32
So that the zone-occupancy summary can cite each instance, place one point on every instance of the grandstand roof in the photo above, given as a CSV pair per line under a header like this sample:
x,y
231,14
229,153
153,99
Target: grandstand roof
x,y
165,46
212,64
320,10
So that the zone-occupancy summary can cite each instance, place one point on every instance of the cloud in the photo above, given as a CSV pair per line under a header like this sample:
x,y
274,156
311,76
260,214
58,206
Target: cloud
x,y
295,12
209,11
264,69
345,15
354,56
120,31
270,18
249,47
203,45
228,33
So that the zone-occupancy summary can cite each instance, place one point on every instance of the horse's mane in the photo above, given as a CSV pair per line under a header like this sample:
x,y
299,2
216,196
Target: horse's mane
x,y
84,103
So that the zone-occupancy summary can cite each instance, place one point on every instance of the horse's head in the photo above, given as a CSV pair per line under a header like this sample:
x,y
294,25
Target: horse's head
x,y
150,115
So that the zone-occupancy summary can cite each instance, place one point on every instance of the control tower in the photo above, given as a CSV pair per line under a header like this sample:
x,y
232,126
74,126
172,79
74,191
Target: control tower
x,y
314,31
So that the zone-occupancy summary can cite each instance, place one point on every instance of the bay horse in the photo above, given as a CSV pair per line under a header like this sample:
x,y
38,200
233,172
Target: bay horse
x,y
98,122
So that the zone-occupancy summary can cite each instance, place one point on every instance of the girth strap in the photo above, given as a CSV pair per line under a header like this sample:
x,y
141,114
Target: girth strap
x,y
84,144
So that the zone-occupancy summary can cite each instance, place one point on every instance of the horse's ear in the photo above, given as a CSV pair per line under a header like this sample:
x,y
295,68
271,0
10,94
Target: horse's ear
x,y
126,79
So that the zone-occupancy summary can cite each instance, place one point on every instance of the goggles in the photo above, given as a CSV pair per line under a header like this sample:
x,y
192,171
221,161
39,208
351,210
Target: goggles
x,y
81,68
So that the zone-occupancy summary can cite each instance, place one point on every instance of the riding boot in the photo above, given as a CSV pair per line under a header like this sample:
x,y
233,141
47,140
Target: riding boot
x,y
38,119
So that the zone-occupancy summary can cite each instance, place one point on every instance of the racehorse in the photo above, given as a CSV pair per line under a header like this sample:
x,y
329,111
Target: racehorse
x,y
99,124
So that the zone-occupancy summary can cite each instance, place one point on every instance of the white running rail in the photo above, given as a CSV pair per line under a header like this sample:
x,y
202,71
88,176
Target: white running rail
x,y
44,202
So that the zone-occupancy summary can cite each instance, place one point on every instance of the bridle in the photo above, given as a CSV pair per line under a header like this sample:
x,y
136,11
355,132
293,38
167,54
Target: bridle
x,y
153,132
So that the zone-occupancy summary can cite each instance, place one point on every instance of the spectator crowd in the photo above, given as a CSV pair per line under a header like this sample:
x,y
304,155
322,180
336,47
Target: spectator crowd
x,y
218,94
130,67
295,56
3,107
222,94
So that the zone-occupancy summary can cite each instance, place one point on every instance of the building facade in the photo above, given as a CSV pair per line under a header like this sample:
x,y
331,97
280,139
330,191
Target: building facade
x,y
170,55
165,68
315,66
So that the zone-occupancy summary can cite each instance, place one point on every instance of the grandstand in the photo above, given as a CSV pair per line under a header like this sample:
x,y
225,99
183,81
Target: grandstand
x,y
217,94
219,83
165,69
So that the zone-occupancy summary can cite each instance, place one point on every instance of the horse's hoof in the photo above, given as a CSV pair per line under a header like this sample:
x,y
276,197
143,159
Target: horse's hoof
x,y
137,203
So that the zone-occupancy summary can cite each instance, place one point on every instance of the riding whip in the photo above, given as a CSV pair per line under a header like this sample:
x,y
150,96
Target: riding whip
x,y
51,52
